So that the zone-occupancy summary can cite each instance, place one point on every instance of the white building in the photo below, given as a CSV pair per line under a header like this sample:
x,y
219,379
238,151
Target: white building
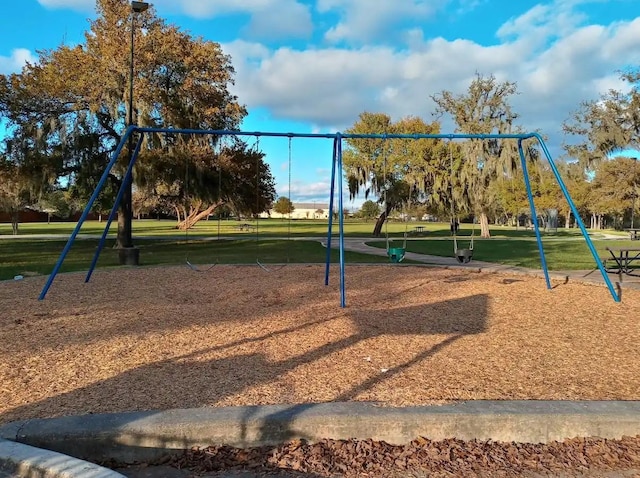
x,y
303,210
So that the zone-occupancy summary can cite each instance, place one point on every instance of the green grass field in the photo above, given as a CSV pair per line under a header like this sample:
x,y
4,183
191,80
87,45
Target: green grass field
x,y
567,254
265,227
35,257
161,243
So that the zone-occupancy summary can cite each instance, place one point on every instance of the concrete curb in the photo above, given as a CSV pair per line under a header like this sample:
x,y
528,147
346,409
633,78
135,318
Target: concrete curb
x,y
143,436
17,459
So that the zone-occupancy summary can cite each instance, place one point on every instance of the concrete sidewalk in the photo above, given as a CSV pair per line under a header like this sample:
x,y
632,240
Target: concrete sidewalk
x,y
20,460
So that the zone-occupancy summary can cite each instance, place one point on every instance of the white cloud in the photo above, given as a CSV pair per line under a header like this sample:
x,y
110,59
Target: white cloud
x,y
15,62
466,6
556,59
80,5
542,22
302,191
269,19
281,19
365,20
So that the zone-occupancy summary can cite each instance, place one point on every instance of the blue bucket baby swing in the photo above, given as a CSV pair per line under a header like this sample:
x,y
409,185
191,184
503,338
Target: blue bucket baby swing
x,y
396,254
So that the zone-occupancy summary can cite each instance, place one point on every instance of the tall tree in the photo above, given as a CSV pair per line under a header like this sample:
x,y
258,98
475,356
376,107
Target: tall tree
x,y
14,195
397,171
614,187
25,177
484,109
605,125
369,209
194,182
512,199
283,206
76,98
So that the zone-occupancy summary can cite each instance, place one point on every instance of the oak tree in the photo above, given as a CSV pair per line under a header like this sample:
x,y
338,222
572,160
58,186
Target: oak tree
x,y
74,102
283,206
397,171
484,109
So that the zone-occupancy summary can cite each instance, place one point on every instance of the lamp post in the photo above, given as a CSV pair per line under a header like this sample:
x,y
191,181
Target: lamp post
x,y
633,206
128,254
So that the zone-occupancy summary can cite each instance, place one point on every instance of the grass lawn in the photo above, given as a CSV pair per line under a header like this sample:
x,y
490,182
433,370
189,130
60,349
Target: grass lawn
x,y
567,254
152,228
266,227
161,243
36,257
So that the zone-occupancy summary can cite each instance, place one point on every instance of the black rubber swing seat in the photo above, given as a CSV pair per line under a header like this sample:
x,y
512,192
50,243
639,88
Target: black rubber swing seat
x,y
464,256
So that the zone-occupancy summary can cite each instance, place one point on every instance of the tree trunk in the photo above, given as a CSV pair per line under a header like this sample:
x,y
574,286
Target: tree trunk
x,y
193,217
567,220
377,229
544,223
124,238
484,225
15,221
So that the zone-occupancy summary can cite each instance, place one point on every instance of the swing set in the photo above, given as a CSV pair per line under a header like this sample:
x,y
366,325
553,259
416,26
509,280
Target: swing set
x,y
397,254
256,149
462,255
189,264
337,188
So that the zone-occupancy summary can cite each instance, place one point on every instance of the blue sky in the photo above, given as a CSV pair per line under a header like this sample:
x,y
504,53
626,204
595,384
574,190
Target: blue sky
x,y
314,65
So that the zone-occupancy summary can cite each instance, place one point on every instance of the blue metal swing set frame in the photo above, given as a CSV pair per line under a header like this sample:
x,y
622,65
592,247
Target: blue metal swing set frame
x,y
336,186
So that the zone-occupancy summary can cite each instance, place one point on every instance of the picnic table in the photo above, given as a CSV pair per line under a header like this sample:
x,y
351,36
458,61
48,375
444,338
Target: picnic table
x,y
245,227
624,258
634,234
418,230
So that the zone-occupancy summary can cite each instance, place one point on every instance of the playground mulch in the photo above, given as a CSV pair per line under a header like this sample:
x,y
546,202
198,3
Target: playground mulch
x,y
159,338
421,458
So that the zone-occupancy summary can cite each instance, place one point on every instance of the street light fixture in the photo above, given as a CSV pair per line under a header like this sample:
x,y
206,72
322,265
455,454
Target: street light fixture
x,y
128,254
139,7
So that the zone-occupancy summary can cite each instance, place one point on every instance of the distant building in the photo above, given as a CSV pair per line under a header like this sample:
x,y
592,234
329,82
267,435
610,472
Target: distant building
x,y
303,210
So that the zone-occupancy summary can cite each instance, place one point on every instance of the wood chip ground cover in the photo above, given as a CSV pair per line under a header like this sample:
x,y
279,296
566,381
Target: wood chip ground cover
x,y
159,338
586,456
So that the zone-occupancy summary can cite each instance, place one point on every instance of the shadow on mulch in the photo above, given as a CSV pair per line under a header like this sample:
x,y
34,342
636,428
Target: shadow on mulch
x,y
181,383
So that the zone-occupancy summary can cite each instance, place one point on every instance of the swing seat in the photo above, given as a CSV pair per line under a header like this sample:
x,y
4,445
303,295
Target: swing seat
x,y
396,254
464,256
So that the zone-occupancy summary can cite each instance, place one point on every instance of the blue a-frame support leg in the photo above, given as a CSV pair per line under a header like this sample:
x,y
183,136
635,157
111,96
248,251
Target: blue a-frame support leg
x,y
128,177
534,215
87,209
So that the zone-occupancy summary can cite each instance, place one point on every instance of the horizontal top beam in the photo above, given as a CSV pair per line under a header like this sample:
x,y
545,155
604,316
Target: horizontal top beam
x,y
338,135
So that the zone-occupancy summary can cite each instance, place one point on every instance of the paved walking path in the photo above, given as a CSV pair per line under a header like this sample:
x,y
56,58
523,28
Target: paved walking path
x,y
587,276
359,244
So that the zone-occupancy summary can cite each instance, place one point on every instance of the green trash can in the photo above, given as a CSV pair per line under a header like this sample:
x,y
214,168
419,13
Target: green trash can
x,y
396,254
